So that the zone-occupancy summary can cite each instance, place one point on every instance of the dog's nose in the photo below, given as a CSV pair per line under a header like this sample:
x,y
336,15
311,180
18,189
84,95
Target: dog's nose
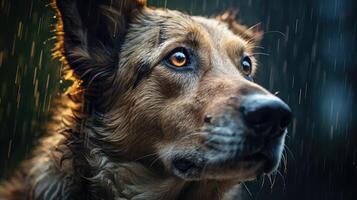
x,y
264,112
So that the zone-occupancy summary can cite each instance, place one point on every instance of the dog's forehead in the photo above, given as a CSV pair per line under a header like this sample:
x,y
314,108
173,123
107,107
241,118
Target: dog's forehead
x,y
217,29
175,23
221,35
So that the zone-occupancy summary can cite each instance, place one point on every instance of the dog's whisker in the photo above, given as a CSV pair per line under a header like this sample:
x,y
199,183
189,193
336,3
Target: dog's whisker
x,y
252,27
219,191
190,135
262,184
145,156
279,32
270,180
274,178
285,160
255,47
289,152
251,41
247,189
164,156
282,177
260,53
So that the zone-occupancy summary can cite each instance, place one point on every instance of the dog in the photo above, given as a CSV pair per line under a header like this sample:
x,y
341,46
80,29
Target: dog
x,y
163,106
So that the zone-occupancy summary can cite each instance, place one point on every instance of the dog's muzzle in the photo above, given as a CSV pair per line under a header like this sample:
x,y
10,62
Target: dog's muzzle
x,y
249,130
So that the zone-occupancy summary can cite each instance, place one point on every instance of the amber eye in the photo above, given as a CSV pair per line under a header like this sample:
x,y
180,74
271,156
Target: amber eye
x,y
246,65
178,58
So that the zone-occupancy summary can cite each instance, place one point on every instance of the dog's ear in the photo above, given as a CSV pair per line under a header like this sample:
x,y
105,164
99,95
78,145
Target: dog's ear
x,y
253,34
90,34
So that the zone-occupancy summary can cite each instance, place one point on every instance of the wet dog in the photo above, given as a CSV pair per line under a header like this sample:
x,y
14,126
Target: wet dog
x,y
163,106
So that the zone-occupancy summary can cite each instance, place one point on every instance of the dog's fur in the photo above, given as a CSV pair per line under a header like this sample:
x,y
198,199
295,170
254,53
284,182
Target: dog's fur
x,y
127,114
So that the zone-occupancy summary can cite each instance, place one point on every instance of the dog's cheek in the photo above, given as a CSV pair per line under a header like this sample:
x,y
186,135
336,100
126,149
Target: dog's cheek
x,y
165,98
174,84
180,118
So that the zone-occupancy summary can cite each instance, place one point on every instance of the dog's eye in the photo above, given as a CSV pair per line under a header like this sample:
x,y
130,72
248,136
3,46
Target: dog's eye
x,y
246,65
178,58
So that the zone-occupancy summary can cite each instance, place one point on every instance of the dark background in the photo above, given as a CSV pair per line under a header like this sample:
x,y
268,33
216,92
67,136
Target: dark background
x,y
311,61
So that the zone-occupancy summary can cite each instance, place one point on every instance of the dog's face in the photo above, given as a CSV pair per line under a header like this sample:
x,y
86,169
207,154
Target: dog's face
x,y
181,90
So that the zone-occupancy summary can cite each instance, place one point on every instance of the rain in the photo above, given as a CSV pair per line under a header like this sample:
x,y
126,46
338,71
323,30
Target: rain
x,y
307,57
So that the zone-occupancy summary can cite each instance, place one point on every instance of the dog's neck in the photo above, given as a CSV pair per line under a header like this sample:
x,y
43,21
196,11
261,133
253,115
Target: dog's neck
x,y
133,180
144,185
211,190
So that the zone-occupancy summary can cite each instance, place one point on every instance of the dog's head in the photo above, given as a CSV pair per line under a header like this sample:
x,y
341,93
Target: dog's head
x,y
175,87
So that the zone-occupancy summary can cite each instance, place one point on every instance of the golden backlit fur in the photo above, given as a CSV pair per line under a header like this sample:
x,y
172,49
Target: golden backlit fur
x,y
116,132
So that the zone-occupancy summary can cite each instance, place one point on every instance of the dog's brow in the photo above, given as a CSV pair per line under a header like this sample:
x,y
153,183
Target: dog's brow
x,y
161,39
143,71
192,38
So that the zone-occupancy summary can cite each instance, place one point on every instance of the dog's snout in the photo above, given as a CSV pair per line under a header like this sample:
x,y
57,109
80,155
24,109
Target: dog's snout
x,y
263,112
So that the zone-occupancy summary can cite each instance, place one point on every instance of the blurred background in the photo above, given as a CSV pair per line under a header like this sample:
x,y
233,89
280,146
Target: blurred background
x,y
309,57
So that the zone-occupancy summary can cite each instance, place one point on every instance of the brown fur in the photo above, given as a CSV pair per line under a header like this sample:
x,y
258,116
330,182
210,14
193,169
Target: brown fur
x,y
115,132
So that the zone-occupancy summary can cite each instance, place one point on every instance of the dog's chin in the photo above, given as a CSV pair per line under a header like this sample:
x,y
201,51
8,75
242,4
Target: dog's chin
x,y
243,169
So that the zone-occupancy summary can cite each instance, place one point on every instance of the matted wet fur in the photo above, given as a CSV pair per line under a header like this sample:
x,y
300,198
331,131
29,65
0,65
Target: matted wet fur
x,y
137,126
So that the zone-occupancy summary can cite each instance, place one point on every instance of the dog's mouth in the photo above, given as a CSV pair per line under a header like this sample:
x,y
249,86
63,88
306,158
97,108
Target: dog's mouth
x,y
183,165
243,168
229,160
